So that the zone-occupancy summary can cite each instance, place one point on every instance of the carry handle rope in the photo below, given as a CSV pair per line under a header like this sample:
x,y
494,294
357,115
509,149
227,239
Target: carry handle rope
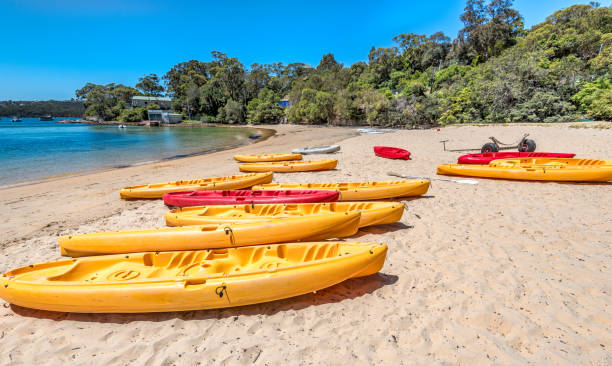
x,y
228,231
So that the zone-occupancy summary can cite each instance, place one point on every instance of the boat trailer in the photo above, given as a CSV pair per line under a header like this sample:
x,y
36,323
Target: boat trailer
x,y
523,145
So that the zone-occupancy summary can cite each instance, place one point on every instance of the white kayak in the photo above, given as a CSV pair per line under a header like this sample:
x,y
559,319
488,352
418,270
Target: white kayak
x,y
317,150
374,130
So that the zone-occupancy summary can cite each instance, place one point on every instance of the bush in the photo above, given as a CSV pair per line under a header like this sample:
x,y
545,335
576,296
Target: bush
x,y
601,107
208,119
132,115
265,108
594,98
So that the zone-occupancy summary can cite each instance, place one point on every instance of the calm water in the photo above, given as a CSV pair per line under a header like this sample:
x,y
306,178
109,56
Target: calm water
x,y
34,149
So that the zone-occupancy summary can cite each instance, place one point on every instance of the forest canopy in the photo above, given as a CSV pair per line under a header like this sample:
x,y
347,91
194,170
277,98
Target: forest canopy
x,y
56,108
493,71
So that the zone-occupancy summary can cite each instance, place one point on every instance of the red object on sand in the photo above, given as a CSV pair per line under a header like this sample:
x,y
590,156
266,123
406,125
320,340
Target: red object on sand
x,y
391,152
238,197
486,158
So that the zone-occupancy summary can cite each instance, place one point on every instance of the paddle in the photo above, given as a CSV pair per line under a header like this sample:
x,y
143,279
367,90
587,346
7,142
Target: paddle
x,y
462,181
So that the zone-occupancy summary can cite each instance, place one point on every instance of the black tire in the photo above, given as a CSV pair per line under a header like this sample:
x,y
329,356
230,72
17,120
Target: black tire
x,y
489,147
527,146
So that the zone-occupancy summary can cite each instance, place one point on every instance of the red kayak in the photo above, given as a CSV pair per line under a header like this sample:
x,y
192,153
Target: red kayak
x,y
391,152
486,158
237,197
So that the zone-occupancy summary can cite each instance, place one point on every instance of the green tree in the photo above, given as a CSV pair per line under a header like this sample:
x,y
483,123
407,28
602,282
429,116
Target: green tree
x,y
314,106
230,73
328,63
257,79
149,85
264,108
232,112
488,29
106,101
593,96
601,107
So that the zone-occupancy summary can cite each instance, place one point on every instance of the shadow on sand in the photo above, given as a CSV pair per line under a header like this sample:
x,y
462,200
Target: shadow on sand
x,y
379,230
349,289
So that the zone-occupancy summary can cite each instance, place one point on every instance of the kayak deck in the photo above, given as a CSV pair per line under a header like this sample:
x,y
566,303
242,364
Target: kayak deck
x,y
372,213
540,169
189,280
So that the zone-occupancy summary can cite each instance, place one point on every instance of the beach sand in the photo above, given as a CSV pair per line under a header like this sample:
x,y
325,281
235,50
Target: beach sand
x,y
501,272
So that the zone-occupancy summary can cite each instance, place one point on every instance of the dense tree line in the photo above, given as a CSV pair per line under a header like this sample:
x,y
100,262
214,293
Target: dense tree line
x,y
56,108
493,71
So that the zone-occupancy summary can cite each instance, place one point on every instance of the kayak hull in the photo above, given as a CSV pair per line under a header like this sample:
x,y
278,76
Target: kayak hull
x,y
290,167
189,280
391,152
536,169
317,150
372,213
486,158
237,197
157,190
316,227
361,191
267,157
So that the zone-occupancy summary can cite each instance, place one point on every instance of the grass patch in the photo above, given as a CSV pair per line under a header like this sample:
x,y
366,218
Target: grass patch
x,y
191,121
600,125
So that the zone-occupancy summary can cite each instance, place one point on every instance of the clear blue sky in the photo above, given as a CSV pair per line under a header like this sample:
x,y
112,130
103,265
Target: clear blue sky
x,y
50,48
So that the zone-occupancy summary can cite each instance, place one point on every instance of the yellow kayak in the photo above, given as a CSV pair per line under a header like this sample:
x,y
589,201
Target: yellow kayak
x,y
372,213
189,280
314,227
290,166
541,169
157,190
267,157
361,191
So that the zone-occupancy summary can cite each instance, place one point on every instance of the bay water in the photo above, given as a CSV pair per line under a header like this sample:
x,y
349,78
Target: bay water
x,y
34,149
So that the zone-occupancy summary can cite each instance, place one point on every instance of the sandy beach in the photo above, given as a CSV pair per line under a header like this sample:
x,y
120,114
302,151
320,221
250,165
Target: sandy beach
x,y
501,272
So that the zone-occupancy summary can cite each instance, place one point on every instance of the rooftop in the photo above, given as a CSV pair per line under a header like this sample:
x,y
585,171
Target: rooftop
x,y
142,97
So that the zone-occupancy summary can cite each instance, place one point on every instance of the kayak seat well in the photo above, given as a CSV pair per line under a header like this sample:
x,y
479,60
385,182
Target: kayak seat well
x,y
189,263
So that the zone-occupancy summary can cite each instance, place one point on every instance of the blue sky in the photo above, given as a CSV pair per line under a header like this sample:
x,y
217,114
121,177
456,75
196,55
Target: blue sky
x,y
50,48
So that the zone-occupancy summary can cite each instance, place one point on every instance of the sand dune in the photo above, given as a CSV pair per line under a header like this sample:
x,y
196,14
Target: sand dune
x,y
500,272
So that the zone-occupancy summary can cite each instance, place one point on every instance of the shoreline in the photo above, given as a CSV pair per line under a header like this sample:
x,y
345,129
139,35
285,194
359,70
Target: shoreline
x,y
95,193
590,124
265,133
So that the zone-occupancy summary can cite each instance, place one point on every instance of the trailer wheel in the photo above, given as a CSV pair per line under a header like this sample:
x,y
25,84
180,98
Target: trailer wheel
x,y
527,145
489,147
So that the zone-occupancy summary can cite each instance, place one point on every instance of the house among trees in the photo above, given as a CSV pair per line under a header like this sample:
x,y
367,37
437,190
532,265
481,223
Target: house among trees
x,y
164,103
159,116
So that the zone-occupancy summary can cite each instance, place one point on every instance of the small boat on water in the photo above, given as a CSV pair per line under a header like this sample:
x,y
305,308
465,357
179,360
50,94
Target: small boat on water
x,y
121,126
46,117
16,119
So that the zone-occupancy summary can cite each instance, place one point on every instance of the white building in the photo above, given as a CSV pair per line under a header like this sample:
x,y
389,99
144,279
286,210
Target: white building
x,y
164,103
157,115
